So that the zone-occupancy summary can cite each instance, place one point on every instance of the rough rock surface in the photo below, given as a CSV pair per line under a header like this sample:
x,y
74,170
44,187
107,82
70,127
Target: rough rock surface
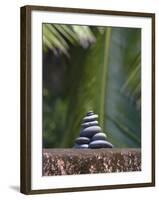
x,y
86,161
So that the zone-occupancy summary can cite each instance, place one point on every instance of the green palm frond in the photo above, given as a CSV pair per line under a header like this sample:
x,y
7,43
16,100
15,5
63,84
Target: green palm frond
x,y
58,37
123,116
88,90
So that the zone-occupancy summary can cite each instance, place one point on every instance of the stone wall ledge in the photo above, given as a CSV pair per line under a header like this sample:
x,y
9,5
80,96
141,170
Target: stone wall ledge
x,y
87,161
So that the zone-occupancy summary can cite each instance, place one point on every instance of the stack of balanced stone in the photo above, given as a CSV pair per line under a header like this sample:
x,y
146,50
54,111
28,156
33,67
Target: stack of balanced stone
x,y
91,135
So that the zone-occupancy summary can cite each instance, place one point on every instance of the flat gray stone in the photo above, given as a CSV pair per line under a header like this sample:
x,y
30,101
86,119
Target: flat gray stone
x,y
100,144
87,124
82,140
81,146
90,131
99,136
90,118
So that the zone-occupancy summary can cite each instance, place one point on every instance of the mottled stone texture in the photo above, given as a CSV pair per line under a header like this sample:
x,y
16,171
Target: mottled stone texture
x,y
86,161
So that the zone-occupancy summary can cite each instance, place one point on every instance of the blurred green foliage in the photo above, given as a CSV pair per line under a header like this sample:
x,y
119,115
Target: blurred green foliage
x,y
91,68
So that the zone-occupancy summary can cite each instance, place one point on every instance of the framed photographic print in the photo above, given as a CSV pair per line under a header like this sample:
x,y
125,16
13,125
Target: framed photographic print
x,y
87,99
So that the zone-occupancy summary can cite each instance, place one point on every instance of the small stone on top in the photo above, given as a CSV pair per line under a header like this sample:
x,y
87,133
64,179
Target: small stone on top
x,y
90,113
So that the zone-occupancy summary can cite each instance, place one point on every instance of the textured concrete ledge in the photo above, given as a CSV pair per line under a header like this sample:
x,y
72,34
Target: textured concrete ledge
x,y
86,161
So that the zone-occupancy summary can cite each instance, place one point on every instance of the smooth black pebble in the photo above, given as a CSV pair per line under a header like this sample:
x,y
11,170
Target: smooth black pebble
x,y
90,113
87,124
90,131
99,136
90,118
81,146
82,140
100,144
